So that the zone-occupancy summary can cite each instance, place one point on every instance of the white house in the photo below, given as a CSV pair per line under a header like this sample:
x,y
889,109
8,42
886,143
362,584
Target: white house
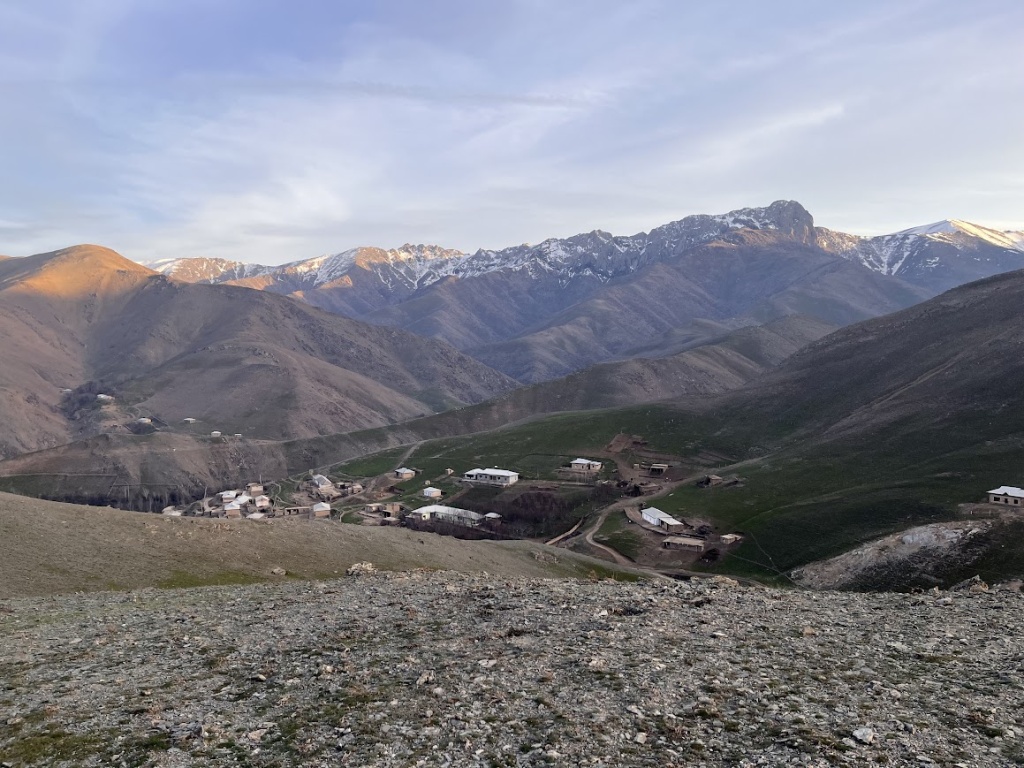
x,y
189,420
432,493
492,476
226,496
254,489
655,516
243,498
447,514
262,502
585,465
321,509
215,433
233,509
321,482
730,538
143,420
1006,494
404,473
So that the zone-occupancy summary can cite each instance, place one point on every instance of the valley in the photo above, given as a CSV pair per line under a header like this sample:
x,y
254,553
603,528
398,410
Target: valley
x,y
832,428
532,384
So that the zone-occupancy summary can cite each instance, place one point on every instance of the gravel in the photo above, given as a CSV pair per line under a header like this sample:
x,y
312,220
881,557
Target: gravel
x,y
441,669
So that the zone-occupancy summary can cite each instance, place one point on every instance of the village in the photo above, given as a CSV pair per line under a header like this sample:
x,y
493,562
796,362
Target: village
x,y
463,504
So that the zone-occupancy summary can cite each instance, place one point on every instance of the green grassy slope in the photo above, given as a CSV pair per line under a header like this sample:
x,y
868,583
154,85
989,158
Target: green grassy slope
x,y
880,426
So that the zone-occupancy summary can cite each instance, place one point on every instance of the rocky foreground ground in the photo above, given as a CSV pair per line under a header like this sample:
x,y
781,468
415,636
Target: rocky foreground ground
x,y
439,669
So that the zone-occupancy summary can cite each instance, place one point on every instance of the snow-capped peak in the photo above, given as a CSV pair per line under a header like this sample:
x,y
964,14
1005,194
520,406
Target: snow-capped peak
x,y
939,227
943,230
597,254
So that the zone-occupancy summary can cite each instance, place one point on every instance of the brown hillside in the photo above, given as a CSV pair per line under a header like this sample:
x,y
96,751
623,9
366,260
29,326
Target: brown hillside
x,y
243,361
100,467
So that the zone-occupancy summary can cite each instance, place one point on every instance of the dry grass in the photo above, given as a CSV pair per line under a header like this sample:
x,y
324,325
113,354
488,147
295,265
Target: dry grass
x,y
48,547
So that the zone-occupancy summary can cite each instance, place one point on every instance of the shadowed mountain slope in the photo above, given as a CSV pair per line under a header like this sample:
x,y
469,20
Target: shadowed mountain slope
x,y
541,311
746,277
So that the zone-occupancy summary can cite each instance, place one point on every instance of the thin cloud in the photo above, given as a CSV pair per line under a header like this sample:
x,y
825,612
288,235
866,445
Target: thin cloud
x,y
400,123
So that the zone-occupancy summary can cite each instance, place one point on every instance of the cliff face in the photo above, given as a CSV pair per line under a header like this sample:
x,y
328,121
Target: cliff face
x,y
440,669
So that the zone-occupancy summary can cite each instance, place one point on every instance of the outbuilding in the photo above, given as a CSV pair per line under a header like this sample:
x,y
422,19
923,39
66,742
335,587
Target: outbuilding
x,y
431,492
691,543
321,509
585,465
404,473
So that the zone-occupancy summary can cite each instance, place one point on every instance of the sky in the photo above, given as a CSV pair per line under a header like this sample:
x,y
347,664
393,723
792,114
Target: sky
x,y
268,131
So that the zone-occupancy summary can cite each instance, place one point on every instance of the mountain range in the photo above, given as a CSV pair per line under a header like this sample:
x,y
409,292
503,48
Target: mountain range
x,y
537,312
88,321
701,306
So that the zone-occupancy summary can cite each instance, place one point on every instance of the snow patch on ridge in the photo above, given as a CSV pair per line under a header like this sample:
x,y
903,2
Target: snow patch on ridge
x,y
597,254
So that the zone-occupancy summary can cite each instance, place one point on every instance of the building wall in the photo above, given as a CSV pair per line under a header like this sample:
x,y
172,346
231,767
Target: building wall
x,y
1010,500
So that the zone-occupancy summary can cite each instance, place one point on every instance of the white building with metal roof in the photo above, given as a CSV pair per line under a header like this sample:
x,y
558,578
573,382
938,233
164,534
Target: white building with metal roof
x,y
492,476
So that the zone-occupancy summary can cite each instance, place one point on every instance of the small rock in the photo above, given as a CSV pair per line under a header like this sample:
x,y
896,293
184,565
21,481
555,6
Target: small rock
x,y
864,735
279,571
641,738
361,569
973,584
809,632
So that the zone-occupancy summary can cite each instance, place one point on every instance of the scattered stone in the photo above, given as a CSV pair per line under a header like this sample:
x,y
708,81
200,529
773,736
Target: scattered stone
x,y
361,569
973,584
279,571
438,669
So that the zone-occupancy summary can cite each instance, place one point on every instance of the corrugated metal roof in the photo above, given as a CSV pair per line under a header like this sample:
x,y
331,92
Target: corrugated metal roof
x,y
1009,490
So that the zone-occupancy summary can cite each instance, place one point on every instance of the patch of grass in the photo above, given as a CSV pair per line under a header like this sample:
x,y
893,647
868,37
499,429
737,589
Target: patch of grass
x,y
53,745
136,750
372,465
186,579
613,533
